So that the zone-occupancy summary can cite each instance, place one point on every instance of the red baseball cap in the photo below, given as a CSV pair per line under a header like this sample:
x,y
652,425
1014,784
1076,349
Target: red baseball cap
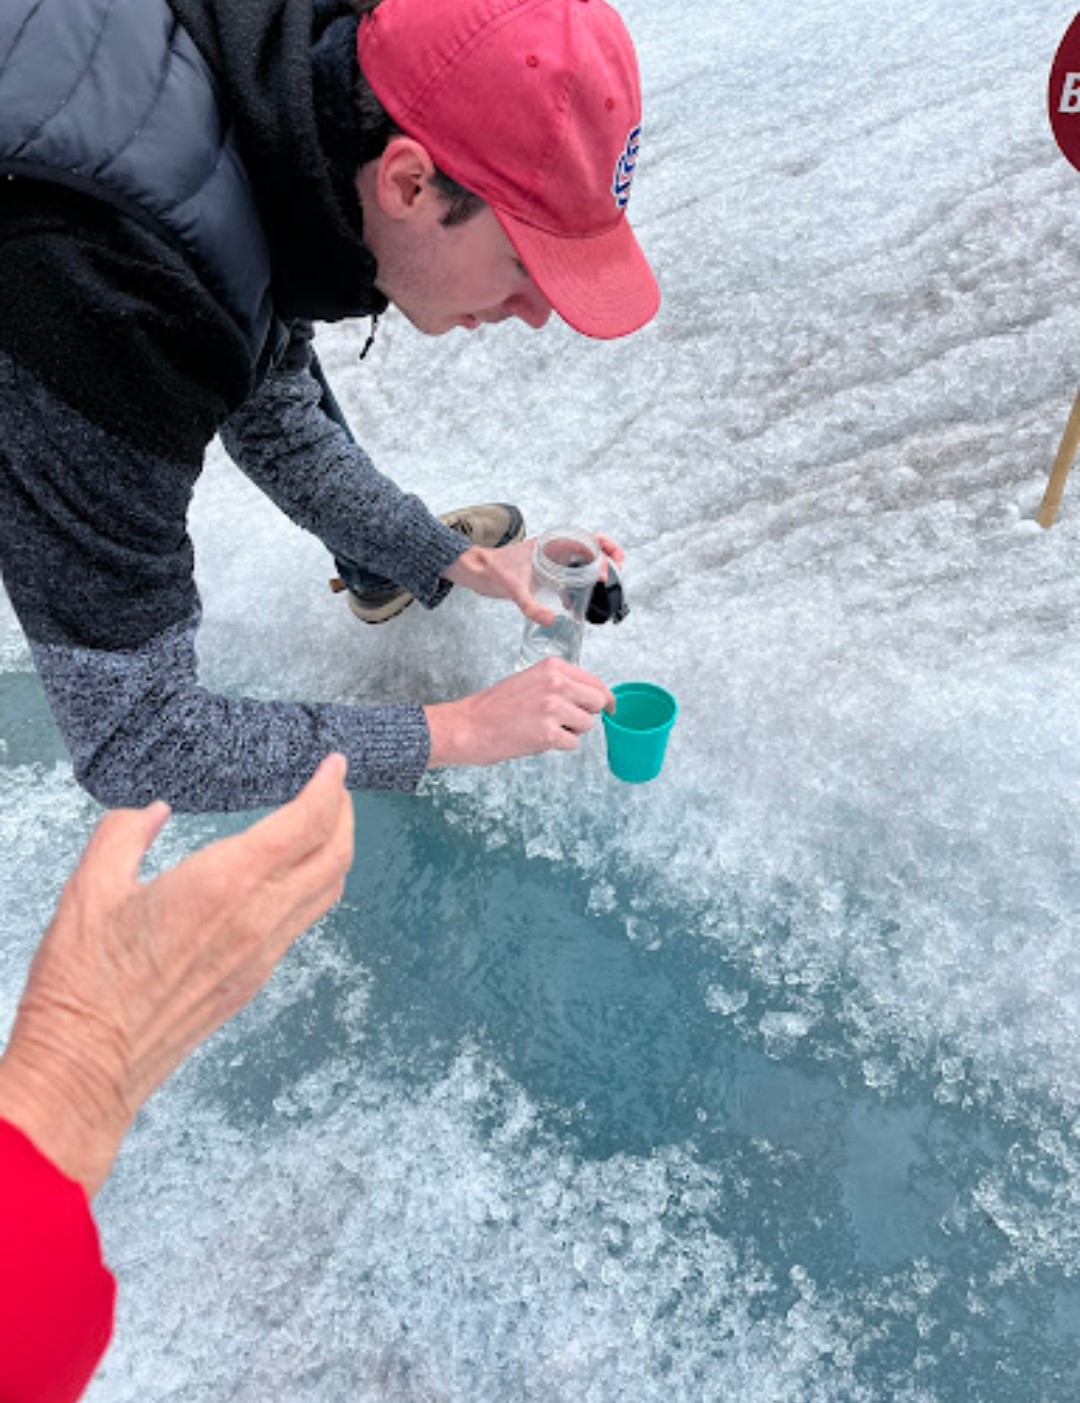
x,y
535,106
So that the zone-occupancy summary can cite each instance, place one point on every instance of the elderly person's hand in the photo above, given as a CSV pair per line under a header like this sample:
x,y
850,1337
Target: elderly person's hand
x,y
132,975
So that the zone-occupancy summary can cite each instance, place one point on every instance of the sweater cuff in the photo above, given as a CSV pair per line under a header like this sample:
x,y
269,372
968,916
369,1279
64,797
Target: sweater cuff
x,y
432,548
387,747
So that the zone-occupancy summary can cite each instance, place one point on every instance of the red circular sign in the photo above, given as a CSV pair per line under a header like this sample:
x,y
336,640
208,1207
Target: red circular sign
x,y
1065,94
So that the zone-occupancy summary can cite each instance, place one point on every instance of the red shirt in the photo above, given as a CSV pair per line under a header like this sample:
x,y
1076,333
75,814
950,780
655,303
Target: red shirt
x,y
56,1294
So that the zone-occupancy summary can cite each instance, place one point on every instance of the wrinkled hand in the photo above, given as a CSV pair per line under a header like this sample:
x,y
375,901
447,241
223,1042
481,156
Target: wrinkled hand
x,y
505,572
549,706
132,975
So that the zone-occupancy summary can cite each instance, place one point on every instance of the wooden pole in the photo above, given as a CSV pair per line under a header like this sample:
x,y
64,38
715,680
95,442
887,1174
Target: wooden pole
x,y
1070,442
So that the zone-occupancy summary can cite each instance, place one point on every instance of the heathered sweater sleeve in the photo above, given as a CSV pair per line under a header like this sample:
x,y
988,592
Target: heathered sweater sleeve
x,y
97,564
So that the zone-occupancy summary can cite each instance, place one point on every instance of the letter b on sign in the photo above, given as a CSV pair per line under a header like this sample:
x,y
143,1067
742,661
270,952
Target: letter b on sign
x,y
1070,94
1065,95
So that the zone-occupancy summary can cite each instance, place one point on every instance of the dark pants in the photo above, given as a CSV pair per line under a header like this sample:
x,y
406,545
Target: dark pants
x,y
354,576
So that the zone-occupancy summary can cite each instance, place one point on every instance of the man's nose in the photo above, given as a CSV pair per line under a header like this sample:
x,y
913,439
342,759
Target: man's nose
x,y
531,306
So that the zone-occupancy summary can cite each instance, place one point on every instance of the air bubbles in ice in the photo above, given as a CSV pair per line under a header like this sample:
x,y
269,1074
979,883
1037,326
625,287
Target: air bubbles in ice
x,y
782,1030
725,1001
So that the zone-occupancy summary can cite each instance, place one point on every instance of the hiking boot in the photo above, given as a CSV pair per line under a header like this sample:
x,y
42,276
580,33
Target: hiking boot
x,y
497,524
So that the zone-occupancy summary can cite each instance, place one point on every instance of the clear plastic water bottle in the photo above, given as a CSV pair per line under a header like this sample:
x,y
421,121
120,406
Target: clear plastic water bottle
x,y
566,565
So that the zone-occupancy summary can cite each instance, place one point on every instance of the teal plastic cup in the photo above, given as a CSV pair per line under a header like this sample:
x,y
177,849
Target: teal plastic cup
x,y
637,734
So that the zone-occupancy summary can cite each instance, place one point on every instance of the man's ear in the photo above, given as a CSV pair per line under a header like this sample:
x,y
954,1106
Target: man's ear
x,y
401,178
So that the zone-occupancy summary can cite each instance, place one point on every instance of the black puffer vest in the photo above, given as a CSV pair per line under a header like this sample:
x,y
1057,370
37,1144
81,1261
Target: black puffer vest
x,y
112,97
225,125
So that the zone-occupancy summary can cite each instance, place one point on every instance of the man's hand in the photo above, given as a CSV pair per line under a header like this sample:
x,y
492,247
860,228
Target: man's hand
x,y
505,572
547,707
132,975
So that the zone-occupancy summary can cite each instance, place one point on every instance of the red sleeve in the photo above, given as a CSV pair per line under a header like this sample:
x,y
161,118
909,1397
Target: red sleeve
x,y
56,1295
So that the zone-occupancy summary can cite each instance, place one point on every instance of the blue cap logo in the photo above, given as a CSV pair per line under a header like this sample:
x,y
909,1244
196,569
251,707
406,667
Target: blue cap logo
x,y
624,169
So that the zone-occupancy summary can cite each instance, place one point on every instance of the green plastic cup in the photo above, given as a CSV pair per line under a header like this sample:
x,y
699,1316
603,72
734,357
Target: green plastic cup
x,y
637,734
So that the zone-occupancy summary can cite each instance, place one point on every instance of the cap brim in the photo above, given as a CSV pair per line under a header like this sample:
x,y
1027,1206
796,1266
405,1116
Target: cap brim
x,y
601,285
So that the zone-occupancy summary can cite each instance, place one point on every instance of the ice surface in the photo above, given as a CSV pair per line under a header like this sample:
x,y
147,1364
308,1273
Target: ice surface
x,y
450,1271
823,460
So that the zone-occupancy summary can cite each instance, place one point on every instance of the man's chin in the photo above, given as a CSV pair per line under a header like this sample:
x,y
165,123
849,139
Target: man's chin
x,y
428,325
